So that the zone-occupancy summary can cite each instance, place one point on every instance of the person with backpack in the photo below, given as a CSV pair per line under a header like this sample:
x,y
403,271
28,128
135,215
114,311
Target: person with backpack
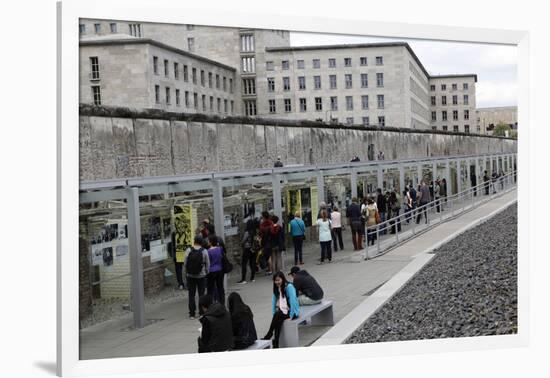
x,y
197,266
278,244
242,322
325,237
382,205
214,278
249,254
298,232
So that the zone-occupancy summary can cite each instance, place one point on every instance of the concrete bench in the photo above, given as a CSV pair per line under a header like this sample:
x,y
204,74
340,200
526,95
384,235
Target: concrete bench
x,y
317,315
260,344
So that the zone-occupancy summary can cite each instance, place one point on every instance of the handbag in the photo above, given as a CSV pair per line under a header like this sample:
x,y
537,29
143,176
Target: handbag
x,y
227,267
378,219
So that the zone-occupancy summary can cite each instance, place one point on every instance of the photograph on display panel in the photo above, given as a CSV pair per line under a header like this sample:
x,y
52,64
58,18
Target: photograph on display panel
x,y
276,182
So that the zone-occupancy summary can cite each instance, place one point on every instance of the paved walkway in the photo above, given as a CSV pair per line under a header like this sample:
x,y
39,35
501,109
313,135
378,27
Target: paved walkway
x,y
348,280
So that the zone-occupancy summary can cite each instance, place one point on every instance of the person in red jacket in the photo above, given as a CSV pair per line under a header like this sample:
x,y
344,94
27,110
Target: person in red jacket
x,y
266,228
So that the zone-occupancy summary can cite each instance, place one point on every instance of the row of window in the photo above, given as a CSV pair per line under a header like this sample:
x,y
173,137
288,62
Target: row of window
x,y
228,106
194,75
454,87
318,103
465,100
134,29
455,115
455,128
317,82
316,63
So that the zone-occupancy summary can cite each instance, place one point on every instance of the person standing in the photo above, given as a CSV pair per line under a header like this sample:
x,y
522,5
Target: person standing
x,y
249,255
266,227
353,213
197,266
407,204
443,190
325,237
337,229
178,262
371,222
278,244
297,230
423,199
216,332
394,205
437,194
278,163
413,194
486,182
214,278
382,206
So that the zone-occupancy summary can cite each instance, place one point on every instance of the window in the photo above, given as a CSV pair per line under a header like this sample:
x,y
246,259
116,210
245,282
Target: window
x,y
332,79
112,25
271,84
303,105
465,86
379,80
455,128
195,100
455,115
186,99
334,120
285,65
478,128
232,107
225,105
466,114
467,129
454,86
94,66
269,66
230,85
318,104
96,94
190,27
300,64
433,100
156,65
211,100
203,78
316,63
432,87
465,99
434,116
286,83
363,61
317,82
248,64
349,121
191,44
332,63
366,121
176,71
443,87
247,42
364,81
347,62
349,82
380,99
178,100
167,95
217,81
381,121
185,73
219,105
443,100
444,115
249,107
334,103
455,100
301,82
209,79
272,108
349,103
379,61
364,102
135,30
194,75
166,67
157,94
288,105
444,127
249,86
224,84
82,29
434,128
97,28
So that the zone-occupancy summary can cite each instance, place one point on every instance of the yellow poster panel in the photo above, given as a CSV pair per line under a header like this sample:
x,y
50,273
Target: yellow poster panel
x,y
314,204
294,203
183,223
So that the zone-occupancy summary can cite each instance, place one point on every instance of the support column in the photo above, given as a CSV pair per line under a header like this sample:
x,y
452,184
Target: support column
x,y
321,189
353,181
136,260
434,171
401,178
276,188
380,179
217,195
448,176
419,172
458,177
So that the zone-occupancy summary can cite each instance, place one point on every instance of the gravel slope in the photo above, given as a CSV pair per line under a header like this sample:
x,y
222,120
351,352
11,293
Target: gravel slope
x,y
468,289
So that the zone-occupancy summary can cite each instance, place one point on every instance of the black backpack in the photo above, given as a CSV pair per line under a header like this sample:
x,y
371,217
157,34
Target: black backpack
x,y
194,261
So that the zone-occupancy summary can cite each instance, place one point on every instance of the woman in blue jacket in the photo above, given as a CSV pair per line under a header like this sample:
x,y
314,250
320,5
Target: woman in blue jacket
x,y
284,305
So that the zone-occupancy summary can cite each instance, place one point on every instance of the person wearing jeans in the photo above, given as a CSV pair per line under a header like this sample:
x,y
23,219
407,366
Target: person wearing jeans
x,y
196,281
214,278
249,252
337,229
297,230
325,237
353,213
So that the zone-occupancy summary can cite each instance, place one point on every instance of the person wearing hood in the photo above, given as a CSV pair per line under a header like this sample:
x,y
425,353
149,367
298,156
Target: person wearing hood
x,y
217,333
242,322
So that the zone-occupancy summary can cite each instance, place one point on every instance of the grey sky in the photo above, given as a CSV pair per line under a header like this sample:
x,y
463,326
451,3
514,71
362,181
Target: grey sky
x,y
495,65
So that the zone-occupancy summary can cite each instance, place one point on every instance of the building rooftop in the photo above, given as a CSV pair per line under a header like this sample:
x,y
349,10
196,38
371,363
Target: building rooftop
x,y
121,39
454,75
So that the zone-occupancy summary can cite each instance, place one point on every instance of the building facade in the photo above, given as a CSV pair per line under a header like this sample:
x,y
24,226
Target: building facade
x,y
381,84
488,118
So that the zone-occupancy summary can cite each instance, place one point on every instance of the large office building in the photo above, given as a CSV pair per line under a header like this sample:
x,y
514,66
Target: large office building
x,y
256,73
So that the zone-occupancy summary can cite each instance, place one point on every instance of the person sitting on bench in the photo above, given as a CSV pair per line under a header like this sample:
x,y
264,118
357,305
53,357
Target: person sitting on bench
x,y
284,305
309,291
216,334
242,322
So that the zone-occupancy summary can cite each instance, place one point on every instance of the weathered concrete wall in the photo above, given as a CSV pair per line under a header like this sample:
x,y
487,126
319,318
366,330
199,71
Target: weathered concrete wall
x,y
115,147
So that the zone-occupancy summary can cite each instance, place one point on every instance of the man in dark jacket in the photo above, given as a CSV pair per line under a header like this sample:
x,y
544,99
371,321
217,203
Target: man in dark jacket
x,y
382,206
308,290
217,332
353,213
